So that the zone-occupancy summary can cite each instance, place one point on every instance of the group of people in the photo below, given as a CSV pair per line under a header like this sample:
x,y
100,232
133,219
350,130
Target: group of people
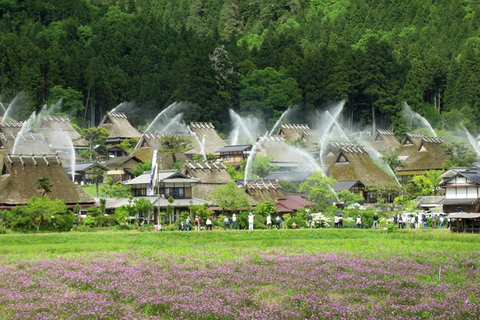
x,y
420,220
227,223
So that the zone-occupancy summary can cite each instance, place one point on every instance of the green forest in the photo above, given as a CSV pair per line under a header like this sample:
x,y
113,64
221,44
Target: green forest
x,y
253,56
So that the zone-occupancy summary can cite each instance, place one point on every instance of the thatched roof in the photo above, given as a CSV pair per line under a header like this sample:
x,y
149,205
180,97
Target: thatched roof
x,y
27,143
429,155
311,139
19,178
211,175
118,126
265,191
213,142
292,131
276,148
51,126
120,161
354,163
384,140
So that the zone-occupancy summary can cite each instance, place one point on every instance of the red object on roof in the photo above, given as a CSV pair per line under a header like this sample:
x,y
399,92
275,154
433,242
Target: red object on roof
x,y
292,203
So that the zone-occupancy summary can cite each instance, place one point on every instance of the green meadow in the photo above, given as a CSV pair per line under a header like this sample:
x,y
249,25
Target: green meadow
x,y
227,244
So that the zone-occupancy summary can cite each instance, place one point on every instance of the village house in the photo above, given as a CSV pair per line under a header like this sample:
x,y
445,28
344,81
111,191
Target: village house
x,y
118,127
348,162
384,141
121,169
210,176
19,178
420,154
210,141
84,172
462,189
60,132
170,183
234,154
292,131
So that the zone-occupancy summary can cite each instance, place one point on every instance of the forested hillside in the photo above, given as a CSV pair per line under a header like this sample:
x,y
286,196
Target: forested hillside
x,y
255,56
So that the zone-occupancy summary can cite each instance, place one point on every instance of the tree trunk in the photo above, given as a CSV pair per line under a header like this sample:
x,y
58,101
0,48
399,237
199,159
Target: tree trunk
x,y
374,123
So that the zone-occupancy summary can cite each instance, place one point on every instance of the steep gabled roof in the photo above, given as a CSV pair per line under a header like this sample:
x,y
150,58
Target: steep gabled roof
x,y
311,139
264,191
27,143
119,161
210,174
276,148
354,163
384,140
51,126
235,148
428,155
346,185
292,203
118,126
213,142
18,183
292,131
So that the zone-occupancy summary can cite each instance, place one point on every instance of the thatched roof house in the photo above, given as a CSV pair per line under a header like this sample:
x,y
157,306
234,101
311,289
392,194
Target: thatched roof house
x,y
384,141
234,154
19,178
211,175
428,154
150,142
119,127
276,148
213,142
8,133
27,143
52,126
410,144
292,131
354,163
264,191
311,138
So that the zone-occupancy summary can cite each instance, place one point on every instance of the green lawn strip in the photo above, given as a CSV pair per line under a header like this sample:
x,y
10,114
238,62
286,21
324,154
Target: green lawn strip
x,y
226,243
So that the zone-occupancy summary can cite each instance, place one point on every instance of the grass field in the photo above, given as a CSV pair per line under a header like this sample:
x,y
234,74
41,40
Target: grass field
x,y
262,274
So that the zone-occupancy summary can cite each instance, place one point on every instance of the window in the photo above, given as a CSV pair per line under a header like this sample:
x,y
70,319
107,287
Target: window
x,y
139,192
175,192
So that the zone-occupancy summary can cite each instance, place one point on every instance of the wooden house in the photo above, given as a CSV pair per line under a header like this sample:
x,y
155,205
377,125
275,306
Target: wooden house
x,y
84,172
210,176
170,183
52,126
291,204
354,186
120,169
462,190
234,154
18,182
118,127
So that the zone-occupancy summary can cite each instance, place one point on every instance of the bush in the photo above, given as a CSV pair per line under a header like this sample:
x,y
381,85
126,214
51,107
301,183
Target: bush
x,y
124,227
83,229
64,222
106,221
90,222
300,223
3,230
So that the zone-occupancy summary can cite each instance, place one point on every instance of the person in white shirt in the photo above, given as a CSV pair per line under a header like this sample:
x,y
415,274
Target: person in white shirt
x,y
234,222
250,221
208,223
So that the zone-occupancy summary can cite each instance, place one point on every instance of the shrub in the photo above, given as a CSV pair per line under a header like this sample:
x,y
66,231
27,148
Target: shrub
x,y
106,221
300,223
90,222
64,222
3,230
320,221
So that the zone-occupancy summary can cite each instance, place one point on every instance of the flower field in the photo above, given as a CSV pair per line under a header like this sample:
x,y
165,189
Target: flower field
x,y
204,282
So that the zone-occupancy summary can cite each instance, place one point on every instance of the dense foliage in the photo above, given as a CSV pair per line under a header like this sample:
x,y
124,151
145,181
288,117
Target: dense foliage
x,y
256,56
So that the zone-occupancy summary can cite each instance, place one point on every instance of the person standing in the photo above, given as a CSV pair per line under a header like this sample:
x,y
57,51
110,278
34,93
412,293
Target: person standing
x,y
442,222
335,221
375,221
412,222
187,223
309,220
250,221
359,222
234,221
277,222
226,223
197,223
395,219
269,221
424,220
208,223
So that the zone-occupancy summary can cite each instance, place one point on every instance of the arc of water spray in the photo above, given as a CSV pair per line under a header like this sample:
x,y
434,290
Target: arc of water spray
x,y
279,120
323,139
473,142
241,125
